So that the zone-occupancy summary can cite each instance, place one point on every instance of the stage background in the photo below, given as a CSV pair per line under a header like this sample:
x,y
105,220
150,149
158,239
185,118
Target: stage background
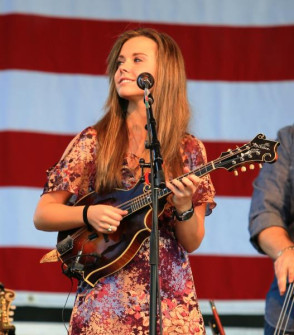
x,y
239,60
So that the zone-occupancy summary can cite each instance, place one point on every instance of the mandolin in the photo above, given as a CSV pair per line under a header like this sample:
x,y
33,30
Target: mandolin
x,y
6,297
90,256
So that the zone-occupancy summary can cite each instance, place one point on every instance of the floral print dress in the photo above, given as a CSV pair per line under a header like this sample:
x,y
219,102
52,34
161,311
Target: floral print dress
x,y
119,303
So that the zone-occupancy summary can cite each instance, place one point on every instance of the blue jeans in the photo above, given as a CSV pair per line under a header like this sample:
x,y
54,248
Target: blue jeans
x,y
269,330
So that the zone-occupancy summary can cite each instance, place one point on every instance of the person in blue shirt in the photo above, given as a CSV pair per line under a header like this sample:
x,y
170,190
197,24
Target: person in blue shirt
x,y
271,226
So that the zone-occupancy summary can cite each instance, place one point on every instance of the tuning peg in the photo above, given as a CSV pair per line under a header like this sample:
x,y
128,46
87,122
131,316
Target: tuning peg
x,y
251,166
236,173
11,313
243,168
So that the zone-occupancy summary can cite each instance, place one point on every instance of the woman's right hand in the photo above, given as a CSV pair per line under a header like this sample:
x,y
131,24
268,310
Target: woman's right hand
x,y
105,218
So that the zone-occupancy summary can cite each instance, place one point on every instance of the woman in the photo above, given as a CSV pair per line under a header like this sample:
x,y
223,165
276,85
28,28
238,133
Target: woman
x,y
106,156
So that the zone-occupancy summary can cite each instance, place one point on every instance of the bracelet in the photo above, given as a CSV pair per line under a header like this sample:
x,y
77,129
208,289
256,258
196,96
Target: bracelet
x,y
291,247
85,217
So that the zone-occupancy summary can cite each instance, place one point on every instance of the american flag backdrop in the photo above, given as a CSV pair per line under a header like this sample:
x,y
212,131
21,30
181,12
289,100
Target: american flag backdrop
x,y
240,66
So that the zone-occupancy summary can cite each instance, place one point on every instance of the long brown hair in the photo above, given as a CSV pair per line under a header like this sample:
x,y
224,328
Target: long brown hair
x,y
170,108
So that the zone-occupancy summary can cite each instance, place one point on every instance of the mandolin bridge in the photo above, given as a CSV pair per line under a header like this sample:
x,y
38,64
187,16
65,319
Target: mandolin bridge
x,y
65,245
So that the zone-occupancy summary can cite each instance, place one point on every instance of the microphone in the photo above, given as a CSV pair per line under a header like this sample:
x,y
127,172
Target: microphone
x,y
145,80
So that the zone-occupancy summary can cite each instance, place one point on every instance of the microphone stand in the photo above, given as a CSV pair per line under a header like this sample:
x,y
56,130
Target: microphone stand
x,y
157,182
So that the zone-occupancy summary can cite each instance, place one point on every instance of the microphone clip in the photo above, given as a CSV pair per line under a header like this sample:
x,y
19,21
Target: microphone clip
x,y
148,98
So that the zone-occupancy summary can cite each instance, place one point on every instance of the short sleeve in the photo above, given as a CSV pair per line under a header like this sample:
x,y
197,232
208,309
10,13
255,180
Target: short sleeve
x,y
272,199
76,170
194,156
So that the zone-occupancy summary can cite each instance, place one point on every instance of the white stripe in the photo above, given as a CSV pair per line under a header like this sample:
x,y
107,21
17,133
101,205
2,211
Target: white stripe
x,y
44,102
49,328
44,328
17,206
226,229
239,111
41,299
230,215
66,104
234,307
212,12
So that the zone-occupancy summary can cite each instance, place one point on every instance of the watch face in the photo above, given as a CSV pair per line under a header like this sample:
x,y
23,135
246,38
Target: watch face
x,y
185,215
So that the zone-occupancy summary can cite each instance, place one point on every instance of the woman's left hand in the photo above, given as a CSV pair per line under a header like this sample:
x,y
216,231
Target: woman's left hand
x,y
183,190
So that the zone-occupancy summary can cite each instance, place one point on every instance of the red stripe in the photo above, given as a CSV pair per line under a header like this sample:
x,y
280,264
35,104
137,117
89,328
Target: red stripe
x,y
221,277
226,183
216,277
211,52
20,269
40,151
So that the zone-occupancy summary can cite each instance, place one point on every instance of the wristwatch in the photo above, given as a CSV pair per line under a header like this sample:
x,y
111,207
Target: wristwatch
x,y
185,215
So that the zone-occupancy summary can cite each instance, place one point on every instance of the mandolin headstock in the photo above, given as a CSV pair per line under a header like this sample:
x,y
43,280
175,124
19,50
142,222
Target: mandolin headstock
x,y
259,150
